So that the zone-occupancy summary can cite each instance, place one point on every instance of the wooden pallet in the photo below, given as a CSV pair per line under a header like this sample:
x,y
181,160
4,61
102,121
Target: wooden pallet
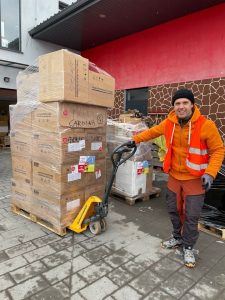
x,y
142,197
19,211
218,232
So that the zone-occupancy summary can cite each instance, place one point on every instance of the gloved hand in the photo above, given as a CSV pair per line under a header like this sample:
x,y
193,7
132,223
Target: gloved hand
x,y
207,181
131,144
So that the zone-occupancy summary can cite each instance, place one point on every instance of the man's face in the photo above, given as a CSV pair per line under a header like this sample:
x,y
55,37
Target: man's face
x,y
183,108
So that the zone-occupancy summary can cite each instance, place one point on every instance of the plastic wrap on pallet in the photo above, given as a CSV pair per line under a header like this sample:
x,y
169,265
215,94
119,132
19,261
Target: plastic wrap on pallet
x,y
118,133
212,217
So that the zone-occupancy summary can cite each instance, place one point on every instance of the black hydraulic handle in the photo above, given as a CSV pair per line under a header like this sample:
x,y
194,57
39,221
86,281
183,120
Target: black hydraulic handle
x,y
117,155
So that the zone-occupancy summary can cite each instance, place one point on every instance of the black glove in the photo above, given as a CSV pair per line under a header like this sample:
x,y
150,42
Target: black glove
x,y
130,144
207,181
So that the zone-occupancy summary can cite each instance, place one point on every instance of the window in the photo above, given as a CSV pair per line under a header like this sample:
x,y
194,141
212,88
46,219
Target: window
x,y
137,99
10,24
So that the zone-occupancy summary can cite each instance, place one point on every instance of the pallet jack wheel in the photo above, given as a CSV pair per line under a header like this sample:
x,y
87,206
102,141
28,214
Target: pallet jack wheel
x,y
103,224
95,227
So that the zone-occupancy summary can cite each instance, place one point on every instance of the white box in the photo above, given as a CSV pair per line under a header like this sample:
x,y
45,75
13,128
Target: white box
x,y
128,182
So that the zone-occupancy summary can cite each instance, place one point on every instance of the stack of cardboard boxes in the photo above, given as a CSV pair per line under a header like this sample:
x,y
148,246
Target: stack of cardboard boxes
x,y
59,145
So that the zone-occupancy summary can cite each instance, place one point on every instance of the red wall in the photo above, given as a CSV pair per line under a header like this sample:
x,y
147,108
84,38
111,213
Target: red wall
x,y
186,49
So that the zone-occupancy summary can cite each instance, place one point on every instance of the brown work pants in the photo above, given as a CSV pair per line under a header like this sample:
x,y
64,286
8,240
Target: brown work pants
x,y
185,199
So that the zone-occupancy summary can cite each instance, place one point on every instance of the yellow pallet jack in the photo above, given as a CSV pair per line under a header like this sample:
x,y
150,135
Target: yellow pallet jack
x,y
95,210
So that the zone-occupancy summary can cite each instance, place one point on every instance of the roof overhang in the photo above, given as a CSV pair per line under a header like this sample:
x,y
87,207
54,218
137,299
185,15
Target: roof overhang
x,y
88,23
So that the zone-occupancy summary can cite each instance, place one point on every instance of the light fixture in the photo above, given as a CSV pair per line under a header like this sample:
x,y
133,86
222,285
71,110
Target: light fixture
x,y
6,79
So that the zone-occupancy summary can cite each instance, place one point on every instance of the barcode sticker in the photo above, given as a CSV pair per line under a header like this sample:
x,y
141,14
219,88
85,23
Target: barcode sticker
x,y
82,144
74,176
96,146
72,147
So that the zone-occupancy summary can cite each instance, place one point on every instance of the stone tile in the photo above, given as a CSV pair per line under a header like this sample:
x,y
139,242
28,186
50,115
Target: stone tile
x,y
205,290
144,260
165,267
77,296
79,263
62,244
4,296
158,294
39,253
5,282
77,283
146,282
126,293
20,249
91,243
177,284
27,288
46,240
134,267
77,250
95,271
120,276
3,256
56,292
12,264
198,272
8,243
58,273
118,258
25,233
189,297
100,289
56,259
97,254
28,271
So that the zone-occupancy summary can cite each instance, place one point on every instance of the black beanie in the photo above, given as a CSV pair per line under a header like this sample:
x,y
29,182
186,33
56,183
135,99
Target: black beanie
x,y
183,93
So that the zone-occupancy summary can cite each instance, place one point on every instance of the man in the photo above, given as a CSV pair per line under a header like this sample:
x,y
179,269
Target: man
x,y
194,156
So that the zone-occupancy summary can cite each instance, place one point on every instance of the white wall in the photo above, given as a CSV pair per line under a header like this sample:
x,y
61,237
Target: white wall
x,y
33,12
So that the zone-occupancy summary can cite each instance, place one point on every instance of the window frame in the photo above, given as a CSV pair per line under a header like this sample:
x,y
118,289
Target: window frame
x,y
20,33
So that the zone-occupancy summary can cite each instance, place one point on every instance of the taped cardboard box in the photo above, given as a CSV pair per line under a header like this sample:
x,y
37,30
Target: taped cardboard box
x,y
60,179
99,174
21,143
63,77
52,116
21,194
59,210
66,145
22,168
101,89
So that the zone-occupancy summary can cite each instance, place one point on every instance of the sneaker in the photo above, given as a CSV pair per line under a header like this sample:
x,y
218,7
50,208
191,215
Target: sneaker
x,y
171,243
189,258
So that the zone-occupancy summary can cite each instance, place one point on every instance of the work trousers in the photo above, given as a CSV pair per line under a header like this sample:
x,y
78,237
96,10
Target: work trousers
x,y
185,199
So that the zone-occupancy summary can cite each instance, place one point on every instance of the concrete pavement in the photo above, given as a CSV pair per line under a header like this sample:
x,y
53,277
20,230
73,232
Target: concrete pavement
x,y
125,262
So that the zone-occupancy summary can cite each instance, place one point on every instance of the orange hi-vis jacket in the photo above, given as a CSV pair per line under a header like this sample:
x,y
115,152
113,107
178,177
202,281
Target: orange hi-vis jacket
x,y
182,142
197,155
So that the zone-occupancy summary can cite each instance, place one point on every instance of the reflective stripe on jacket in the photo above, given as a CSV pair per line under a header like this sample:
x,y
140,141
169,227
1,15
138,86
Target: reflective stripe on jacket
x,y
197,158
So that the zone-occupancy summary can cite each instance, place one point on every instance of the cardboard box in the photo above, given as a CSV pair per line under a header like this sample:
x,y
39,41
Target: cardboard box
x,y
59,210
95,190
20,116
101,89
21,142
52,116
22,169
59,179
21,194
27,85
98,176
66,145
63,77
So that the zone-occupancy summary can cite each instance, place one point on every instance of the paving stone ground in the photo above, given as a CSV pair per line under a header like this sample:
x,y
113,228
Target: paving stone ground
x,y
125,262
